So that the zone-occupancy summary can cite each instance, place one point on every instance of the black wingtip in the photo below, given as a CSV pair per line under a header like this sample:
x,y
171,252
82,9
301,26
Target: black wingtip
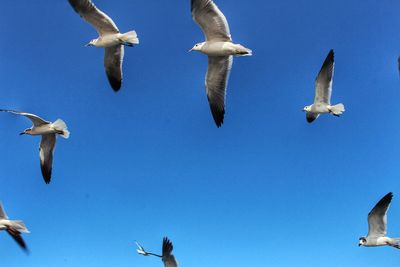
x,y
218,115
115,83
167,246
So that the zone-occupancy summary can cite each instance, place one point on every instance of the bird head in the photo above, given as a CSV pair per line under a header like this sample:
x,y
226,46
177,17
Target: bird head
x,y
197,47
26,131
307,108
362,241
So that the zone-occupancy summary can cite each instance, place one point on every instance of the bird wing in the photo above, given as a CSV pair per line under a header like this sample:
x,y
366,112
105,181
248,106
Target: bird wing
x,y
36,120
216,83
46,151
113,57
323,82
377,218
98,19
3,214
211,20
16,235
167,257
311,116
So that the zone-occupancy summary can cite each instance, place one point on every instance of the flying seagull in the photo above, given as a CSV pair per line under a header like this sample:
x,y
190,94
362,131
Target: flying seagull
x,y
48,132
167,257
323,92
377,226
13,228
220,50
109,38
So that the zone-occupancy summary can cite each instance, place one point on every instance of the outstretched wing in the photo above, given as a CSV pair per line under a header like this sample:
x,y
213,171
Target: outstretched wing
x,y
16,235
167,257
211,20
323,82
36,120
217,77
113,57
46,151
377,218
98,19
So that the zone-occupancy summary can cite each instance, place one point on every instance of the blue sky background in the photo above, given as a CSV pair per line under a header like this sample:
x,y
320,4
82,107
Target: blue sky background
x,y
266,189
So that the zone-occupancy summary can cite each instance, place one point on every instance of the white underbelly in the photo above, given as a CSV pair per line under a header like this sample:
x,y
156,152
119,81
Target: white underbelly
x,y
219,49
109,40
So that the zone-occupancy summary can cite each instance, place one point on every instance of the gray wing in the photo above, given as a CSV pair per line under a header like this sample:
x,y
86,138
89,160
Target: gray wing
x,y
216,83
36,120
377,218
113,57
167,257
46,155
3,214
98,19
211,20
323,82
311,116
16,235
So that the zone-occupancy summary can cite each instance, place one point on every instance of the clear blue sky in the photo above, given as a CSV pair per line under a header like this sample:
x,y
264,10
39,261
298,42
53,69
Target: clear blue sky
x,y
266,189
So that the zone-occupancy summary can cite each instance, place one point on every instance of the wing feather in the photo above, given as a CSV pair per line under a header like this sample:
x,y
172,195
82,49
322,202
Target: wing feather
x,y
46,151
377,218
211,20
113,57
216,83
97,18
323,82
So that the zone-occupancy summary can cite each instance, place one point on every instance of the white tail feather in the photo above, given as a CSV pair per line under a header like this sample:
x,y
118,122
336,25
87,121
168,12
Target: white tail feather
x,y
337,109
59,125
20,226
130,38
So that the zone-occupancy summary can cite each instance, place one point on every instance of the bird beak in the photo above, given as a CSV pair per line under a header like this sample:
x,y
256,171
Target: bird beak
x,y
359,245
22,133
88,44
190,50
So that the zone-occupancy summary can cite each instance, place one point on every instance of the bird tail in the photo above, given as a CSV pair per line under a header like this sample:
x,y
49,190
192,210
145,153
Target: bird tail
x,y
60,126
337,110
129,38
19,226
243,51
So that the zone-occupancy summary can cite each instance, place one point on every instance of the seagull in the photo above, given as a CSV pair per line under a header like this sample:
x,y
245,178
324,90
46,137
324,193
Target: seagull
x,y
48,132
109,38
167,257
220,50
377,222
323,91
13,228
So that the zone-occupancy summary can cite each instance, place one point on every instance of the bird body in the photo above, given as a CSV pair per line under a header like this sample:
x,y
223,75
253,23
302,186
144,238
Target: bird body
x,y
58,127
48,131
323,92
377,226
220,48
109,38
167,257
13,227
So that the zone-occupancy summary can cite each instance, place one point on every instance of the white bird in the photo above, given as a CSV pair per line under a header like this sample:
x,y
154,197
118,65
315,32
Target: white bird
x,y
48,132
109,38
323,92
167,257
377,226
13,228
220,50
